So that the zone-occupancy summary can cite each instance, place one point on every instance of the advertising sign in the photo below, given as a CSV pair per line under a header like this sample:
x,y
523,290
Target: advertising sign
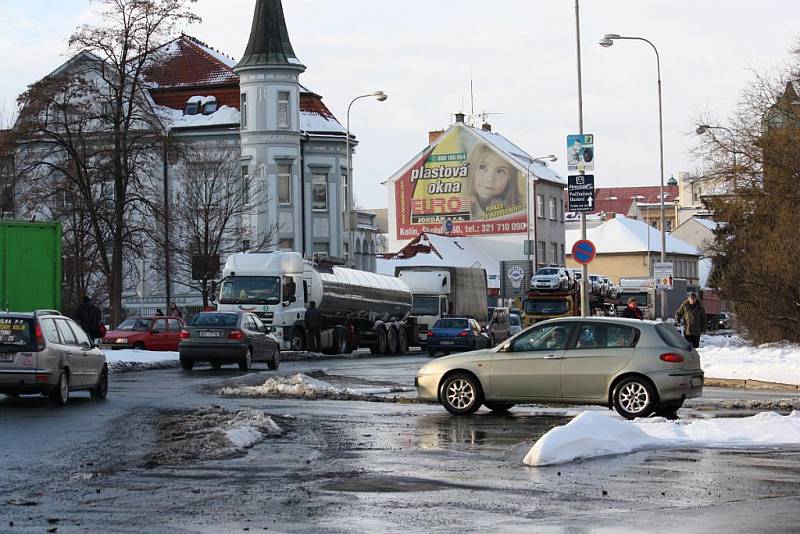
x,y
580,192
580,153
516,278
662,273
465,180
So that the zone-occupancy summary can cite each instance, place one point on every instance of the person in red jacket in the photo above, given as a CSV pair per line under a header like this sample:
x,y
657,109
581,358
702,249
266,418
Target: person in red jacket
x,y
632,311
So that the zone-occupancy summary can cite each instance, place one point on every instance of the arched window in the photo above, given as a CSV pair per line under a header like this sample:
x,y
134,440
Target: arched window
x,y
357,257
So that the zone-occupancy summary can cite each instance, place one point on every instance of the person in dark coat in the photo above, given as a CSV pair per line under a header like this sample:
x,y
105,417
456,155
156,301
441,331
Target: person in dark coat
x,y
313,323
632,311
175,311
159,313
693,316
89,318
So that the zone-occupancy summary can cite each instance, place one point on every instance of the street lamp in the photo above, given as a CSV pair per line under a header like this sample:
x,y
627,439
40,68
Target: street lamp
x,y
704,129
605,42
380,96
532,199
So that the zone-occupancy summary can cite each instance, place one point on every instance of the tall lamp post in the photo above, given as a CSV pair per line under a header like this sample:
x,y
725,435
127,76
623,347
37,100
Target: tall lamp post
x,y
704,128
380,96
532,199
605,42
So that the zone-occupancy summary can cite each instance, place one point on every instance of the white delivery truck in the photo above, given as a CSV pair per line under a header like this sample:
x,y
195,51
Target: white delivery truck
x,y
444,291
359,309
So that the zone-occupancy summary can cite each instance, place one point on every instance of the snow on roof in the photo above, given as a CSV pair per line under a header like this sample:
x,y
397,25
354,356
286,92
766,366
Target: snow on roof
x,y
621,235
173,118
504,145
704,267
708,223
188,62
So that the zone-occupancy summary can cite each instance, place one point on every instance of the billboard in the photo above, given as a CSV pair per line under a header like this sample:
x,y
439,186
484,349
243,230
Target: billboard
x,y
465,180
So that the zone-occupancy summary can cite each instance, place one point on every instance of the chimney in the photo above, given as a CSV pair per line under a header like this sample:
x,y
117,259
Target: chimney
x,y
460,117
434,135
486,127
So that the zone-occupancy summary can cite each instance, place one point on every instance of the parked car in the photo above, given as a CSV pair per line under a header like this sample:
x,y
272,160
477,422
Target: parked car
x,y
638,367
228,337
515,322
49,354
598,285
499,326
456,334
146,333
725,320
611,287
555,278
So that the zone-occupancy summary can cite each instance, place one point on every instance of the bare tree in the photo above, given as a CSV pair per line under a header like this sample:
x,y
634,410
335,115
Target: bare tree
x,y
210,214
94,125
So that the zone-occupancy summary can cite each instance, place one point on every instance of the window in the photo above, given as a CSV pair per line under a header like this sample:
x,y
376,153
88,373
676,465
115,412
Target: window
x,y
210,107
245,185
286,244
345,186
244,110
545,337
541,253
50,332
284,184
668,223
321,249
654,223
81,336
283,109
540,206
159,326
66,332
551,204
603,335
174,325
192,107
250,324
319,192
562,256
553,253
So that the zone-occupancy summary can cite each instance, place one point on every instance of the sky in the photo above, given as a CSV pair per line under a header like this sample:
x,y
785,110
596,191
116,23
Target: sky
x,y
520,56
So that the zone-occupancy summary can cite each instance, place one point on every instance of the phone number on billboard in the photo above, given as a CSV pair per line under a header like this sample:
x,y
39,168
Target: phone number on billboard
x,y
491,228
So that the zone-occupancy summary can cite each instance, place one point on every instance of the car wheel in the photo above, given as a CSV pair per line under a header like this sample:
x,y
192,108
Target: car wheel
x,y
669,409
188,365
275,361
247,361
138,345
634,397
499,406
216,364
101,391
61,392
461,394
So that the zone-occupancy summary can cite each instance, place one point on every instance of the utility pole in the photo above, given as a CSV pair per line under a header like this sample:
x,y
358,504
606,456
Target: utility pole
x,y
584,267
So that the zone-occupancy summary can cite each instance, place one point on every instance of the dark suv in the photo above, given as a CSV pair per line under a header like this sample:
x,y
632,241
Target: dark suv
x,y
49,354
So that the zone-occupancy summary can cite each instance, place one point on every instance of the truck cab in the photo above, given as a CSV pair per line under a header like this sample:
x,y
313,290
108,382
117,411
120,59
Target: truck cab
x,y
432,301
543,305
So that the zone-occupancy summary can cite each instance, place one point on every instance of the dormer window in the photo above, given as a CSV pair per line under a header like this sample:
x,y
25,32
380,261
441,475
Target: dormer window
x,y
192,107
210,107
197,105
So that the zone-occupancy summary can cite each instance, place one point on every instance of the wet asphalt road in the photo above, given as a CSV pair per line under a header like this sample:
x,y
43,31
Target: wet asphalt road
x,y
354,466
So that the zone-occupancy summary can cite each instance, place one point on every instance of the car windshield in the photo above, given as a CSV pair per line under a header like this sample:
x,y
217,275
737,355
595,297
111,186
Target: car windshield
x,y
577,275
425,306
15,332
220,320
250,290
451,323
546,307
134,324
546,272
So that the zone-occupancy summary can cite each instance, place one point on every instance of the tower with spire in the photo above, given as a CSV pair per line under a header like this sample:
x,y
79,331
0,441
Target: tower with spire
x,y
272,141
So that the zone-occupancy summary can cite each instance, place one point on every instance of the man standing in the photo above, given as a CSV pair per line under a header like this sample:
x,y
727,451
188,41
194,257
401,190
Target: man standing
x,y
693,316
90,318
632,310
314,326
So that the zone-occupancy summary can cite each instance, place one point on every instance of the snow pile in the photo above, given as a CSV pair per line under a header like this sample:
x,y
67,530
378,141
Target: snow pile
x,y
174,118
733,357
303,386
123,360
594,434
621,234
249,427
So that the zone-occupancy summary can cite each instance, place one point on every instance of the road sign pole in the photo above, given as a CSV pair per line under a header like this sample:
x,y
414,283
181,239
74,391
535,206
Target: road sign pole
x,y
584,268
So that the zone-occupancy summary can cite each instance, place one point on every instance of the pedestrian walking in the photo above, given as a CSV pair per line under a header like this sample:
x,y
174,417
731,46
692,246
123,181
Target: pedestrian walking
x,y
175,311
313,323
693,316
90,318
632,310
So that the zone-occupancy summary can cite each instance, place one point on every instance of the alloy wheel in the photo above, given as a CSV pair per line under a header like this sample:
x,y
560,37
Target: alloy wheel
x,y
460,394
634,397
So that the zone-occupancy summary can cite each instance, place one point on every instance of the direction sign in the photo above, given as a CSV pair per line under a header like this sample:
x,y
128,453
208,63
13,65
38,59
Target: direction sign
x,y
662,273
583,251
580,152
580,192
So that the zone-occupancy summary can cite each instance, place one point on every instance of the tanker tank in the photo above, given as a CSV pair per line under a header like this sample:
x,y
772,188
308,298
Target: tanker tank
x,y
350,294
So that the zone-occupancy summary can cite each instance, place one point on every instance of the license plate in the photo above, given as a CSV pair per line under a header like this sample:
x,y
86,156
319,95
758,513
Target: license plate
x,y
7,357
208,334
446,342
697,382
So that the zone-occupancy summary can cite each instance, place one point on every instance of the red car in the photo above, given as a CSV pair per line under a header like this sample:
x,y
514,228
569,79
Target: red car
x,y
146,333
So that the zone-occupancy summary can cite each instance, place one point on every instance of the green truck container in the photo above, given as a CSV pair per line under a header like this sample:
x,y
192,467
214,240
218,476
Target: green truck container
x,y
30,266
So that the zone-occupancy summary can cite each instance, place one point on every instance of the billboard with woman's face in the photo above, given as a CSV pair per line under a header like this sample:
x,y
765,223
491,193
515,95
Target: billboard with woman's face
x,y
467,181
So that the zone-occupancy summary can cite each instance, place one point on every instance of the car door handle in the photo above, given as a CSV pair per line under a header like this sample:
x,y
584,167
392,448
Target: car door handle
x,y
553,357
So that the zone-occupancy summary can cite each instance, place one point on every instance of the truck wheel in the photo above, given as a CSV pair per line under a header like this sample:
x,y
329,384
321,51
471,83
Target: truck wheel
x,y
380,343
298,340
403,341
393,343
341,342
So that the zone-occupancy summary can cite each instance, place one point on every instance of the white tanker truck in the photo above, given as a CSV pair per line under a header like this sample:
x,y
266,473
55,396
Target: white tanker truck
x,y
359,309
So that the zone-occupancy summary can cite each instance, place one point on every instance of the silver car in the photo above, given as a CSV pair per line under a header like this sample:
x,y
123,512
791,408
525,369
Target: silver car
x,y
49,354
555,278
638,367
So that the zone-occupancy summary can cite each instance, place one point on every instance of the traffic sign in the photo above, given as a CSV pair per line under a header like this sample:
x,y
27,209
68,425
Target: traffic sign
x,y
583,251
447,226
663,272
580,192
580,152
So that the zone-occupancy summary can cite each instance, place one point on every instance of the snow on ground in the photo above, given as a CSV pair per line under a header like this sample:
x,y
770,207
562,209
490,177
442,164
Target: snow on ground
x,y
249,427
733,357
594,434
305,387
139,360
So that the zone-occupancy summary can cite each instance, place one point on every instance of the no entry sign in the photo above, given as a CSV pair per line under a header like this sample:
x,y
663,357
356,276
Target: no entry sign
x,y
583,251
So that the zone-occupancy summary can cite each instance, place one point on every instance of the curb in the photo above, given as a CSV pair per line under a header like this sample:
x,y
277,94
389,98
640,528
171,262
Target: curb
x,y
735,383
